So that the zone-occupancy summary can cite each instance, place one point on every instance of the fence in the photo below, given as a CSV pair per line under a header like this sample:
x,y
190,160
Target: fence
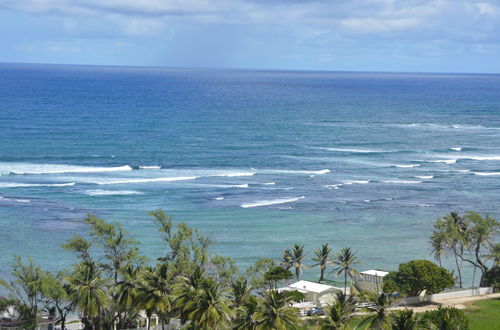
x,y
443,295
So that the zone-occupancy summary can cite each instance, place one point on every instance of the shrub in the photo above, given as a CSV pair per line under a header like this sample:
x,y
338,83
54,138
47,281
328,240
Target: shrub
x,y
417,275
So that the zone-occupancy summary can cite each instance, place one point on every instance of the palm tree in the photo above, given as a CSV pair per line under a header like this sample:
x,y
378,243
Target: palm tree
x,y
89,293
340,312
438,243
452,229
240,291
211,308
155,291
127,293
298,256
344,260
404,319
380,320
246,314
322,258
274,312
287,259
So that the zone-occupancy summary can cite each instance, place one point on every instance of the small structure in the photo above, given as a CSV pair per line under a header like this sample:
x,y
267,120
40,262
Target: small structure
x,y
316,294
371,280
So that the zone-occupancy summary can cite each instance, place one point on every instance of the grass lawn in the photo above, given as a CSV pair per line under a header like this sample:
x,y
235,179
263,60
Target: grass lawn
x,y
484,314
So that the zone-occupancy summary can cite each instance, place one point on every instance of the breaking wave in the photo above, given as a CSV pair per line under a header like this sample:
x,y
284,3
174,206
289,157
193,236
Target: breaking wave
x,y
271,202
99,192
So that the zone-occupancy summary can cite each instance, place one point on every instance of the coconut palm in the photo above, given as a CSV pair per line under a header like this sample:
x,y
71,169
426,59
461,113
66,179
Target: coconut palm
x,y
155,291
438,243
89,293
127,287
246,314
287,259
340,312
452,229
405,319
344,261
380,320
322,259
240,291
210,308
298,256
274,312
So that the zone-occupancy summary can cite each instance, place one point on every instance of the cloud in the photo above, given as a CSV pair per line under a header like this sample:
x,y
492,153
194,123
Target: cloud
x,y
272,33
432,19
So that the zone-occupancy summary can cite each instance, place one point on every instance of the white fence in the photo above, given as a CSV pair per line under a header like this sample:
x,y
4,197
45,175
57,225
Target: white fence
x,y
443,296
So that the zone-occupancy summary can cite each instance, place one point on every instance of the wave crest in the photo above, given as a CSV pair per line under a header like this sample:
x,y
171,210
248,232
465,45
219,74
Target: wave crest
x,y
272,202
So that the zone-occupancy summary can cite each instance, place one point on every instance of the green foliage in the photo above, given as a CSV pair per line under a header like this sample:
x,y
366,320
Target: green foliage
x,y
492,277
340,312
26,290
274,312
405,319
222,268
287,259
295,295
417,275
256,272
58,294
445,318
466,238
322,258
343,262
277,274
246,314
240,291
89,291
381,319
297,257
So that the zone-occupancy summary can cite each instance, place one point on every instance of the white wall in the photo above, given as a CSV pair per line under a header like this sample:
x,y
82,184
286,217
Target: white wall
x,y
444,295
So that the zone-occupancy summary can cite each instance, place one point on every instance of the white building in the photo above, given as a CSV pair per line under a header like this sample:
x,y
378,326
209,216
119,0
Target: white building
x,y
316,294
371,280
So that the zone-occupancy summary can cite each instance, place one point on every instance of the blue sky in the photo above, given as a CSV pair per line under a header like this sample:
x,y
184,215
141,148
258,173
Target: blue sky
x,y
366,35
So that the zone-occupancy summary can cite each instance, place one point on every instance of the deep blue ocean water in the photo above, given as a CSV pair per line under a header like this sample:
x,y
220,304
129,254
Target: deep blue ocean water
x,y
257,160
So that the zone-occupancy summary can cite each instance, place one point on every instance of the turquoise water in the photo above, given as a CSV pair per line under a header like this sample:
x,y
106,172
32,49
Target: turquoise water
x,y
258,160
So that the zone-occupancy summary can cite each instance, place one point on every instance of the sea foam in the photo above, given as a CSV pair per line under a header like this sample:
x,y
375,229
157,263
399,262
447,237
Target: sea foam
x,y
168,179
424,176
407,165
27,168
18,184
403,181
272,202
99,192
319,172
352,150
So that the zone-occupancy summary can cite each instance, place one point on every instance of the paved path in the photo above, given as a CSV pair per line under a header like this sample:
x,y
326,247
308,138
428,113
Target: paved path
x,y
453,302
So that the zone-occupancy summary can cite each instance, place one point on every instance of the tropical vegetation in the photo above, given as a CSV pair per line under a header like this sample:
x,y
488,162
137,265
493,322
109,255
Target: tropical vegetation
x,y
112,286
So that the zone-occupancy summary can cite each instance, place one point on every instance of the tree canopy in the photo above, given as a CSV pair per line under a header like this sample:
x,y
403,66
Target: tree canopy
x,y
416,276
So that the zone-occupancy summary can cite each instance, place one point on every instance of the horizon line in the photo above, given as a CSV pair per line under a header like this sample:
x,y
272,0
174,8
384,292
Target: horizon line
x,y
246,69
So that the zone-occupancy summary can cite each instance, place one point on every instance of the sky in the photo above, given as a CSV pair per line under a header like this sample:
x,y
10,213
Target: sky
x,y
352,35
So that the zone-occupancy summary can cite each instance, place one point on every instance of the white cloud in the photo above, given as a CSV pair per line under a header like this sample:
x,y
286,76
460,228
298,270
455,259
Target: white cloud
x,y
410,19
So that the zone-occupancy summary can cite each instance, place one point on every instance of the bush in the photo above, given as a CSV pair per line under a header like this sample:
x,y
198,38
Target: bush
x,y
417,275
445,318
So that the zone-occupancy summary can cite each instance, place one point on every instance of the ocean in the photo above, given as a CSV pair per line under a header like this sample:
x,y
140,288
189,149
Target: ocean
x,y
256,160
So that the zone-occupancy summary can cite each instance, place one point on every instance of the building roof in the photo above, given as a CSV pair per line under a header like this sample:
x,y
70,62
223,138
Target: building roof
x,y
311,286
375,272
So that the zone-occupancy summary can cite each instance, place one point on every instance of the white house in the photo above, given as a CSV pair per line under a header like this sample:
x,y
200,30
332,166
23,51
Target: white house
x,y
315,293
371,280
